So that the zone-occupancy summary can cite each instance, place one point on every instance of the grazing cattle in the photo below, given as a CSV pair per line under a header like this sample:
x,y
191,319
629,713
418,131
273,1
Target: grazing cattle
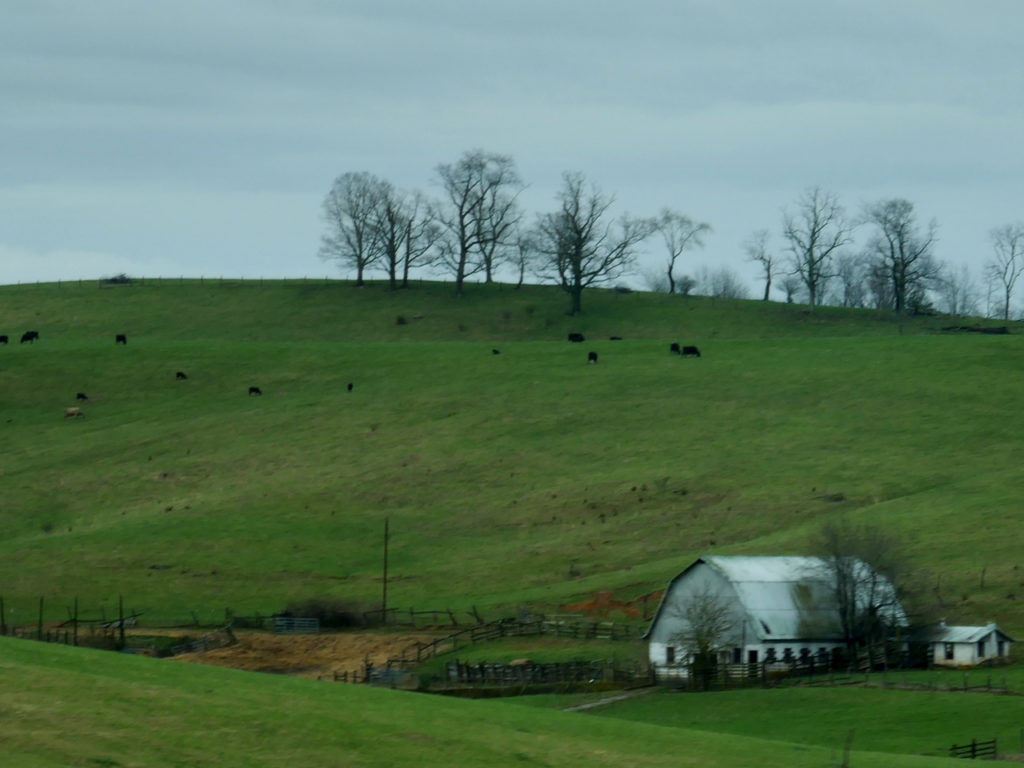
x,y
674,347
3,338
120,339
254,391
29,336
577,337
691,352
614,338
350,386
81,396
180,375
592,357
70,413
495,351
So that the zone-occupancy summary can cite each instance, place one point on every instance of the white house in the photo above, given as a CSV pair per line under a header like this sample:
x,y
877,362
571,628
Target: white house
x,y
778,608
960,646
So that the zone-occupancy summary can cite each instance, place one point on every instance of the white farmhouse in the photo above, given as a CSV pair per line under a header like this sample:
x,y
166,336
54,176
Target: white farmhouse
x,y
779,609
960,646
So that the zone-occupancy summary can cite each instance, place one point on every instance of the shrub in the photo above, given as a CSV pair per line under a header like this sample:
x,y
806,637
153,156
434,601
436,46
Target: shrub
x,y
332,612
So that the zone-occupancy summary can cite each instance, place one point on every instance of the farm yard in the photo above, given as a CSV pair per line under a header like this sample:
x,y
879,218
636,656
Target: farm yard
x,y
527,480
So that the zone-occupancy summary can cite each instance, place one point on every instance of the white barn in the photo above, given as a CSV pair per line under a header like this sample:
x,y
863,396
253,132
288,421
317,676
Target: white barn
x,y
963,646
779,609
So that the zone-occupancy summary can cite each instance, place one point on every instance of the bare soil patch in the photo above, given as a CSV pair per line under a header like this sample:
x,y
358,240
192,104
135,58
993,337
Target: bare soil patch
x,y
307,655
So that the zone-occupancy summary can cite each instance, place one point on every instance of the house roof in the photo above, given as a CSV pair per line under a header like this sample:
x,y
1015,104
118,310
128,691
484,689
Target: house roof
x,y
945,633
784,597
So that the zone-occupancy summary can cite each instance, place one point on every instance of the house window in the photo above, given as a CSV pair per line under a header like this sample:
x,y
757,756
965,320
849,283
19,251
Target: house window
x,y
1000,648
805,655
770,654
670,655
948,649
981,648
737,655
787,654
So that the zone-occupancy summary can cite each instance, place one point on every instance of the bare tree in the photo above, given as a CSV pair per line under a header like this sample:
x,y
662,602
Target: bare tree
x,y
579,247
390,227
816,232
757,251
957,290
864,571
706,624
524,255
851,274
479,214
655,280
350,212
422,234
679,232
904,252
879,286
1008,262
721,283
791,285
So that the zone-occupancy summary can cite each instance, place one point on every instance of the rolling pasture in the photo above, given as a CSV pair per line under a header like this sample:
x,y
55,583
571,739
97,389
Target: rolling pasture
x,y
526,477
71,706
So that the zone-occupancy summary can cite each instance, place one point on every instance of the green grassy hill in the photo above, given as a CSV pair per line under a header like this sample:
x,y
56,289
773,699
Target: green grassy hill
x,y
67,706
526,477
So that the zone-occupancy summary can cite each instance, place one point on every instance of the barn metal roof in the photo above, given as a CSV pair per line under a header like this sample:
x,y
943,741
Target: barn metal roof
x,y
945,633
785,597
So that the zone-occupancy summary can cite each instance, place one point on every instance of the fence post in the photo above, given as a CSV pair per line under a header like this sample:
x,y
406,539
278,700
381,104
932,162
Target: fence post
x,y
39,628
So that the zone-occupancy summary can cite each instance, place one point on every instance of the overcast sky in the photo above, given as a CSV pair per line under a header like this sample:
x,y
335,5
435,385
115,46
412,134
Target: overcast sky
x,y
170,138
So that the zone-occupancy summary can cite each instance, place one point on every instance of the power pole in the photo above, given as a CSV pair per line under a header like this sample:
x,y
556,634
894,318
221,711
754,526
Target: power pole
x,y
384,594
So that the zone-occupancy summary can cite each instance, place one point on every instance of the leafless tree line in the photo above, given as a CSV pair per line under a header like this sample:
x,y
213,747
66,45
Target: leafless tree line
x,y
896,268
476,226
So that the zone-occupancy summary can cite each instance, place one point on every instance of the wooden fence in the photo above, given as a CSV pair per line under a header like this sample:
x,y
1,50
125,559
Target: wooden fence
x,y
218,639
578,629
287,625
984,750
529,673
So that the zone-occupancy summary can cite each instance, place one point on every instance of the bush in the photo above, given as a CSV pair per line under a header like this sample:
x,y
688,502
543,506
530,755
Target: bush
x,y
333,613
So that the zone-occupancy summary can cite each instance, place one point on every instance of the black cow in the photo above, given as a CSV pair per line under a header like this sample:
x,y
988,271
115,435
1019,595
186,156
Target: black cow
x,y
180,375
120,339
614,338
350,386
691,352
254,391
29,336
81,396
3,338
592,357
674,347
577,337
495,351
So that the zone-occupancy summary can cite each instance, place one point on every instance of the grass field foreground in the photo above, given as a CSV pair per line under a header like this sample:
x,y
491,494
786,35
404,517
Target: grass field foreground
x,y
72,707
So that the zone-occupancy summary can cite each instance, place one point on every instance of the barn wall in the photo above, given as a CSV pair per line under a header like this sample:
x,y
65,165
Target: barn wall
x,y
695,581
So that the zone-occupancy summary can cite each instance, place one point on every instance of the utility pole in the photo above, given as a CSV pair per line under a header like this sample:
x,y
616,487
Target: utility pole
x,y
384,593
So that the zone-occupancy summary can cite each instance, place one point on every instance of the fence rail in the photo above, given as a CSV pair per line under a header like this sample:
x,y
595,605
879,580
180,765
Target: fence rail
x,y
984,750
529,673
579,629
288,625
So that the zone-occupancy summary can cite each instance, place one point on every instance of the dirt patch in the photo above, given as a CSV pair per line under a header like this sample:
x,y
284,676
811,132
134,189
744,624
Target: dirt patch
x,y
307,655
